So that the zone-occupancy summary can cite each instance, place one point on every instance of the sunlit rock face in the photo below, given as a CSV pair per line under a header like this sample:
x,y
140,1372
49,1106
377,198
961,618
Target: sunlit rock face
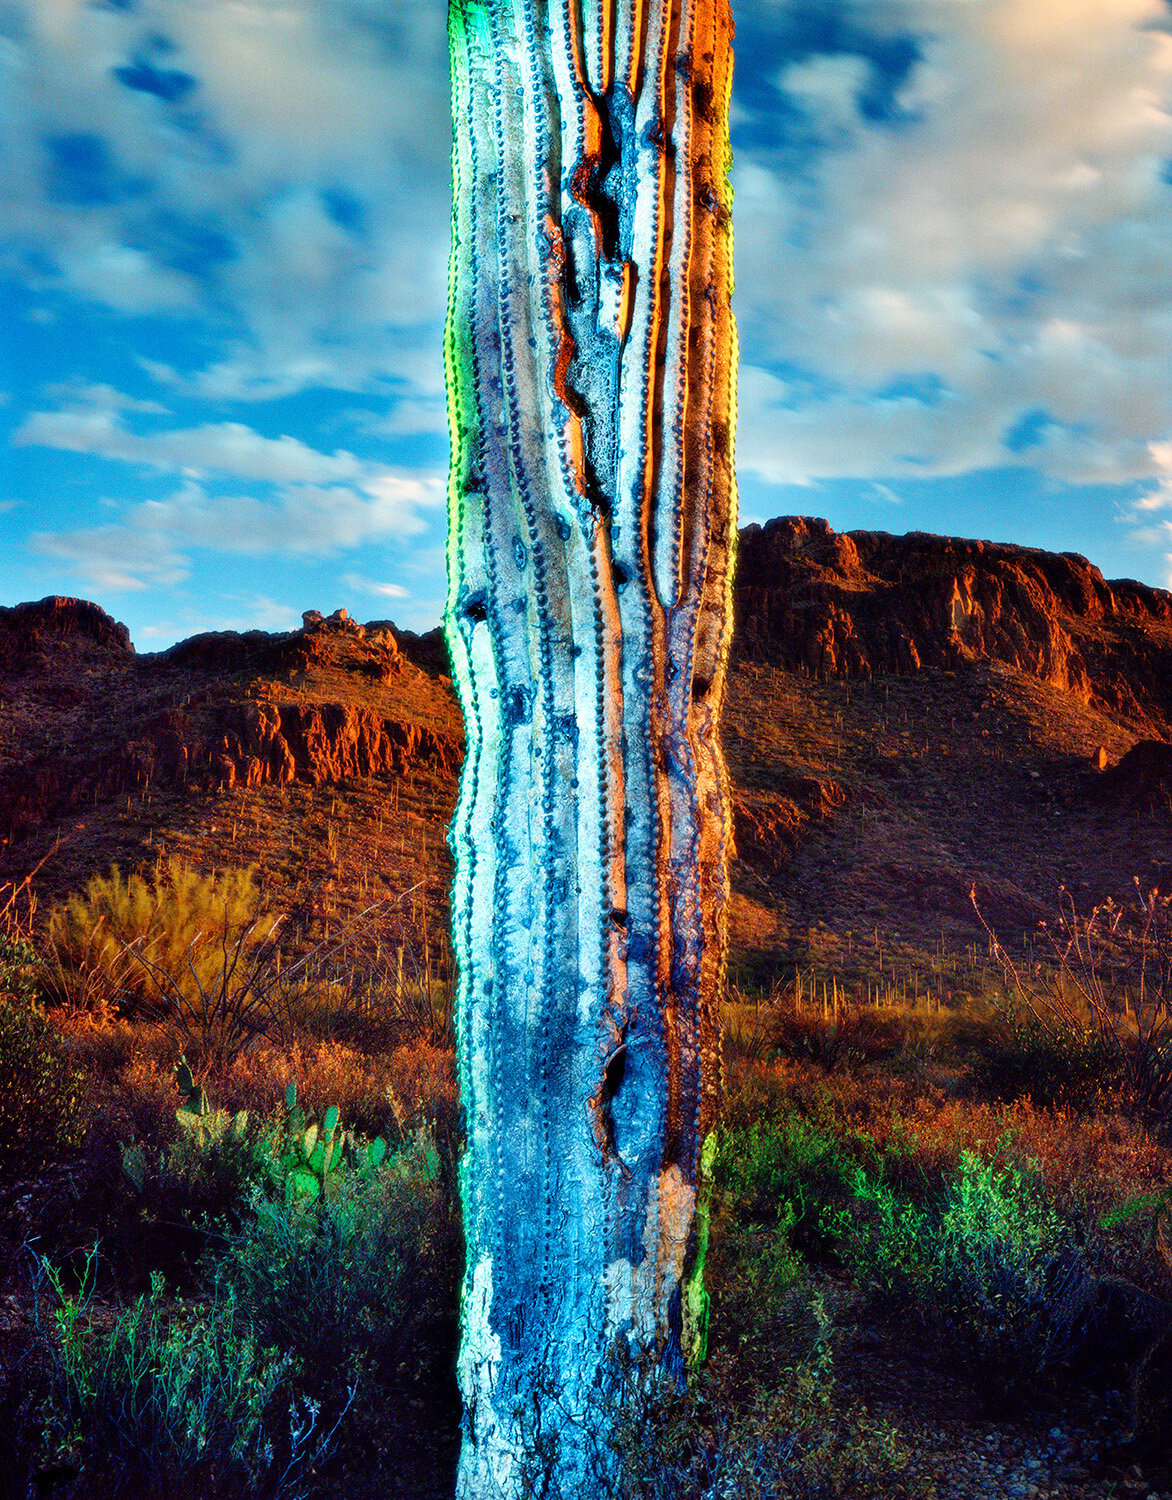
x,y
590,361
828,604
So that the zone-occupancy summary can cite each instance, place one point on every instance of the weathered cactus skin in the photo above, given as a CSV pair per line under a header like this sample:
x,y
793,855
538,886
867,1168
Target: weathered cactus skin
x,y
591,390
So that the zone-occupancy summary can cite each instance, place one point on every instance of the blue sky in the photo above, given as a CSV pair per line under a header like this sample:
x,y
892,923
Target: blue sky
x,y
223,245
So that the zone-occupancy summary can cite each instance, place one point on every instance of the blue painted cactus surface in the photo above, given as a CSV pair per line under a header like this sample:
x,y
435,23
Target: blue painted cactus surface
x,y
591,363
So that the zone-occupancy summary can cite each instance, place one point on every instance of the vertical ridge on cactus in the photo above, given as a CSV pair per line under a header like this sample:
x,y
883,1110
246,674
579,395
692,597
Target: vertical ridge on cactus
x,y
590,357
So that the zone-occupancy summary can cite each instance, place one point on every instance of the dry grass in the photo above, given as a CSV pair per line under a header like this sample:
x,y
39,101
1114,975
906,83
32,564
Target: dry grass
x,y
377,1092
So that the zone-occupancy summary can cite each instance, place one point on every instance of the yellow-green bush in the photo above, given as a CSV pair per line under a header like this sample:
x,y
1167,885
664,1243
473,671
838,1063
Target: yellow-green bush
x,y
118,943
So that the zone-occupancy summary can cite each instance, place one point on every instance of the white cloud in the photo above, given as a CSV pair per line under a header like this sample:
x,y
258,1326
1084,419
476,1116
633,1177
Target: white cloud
x,y
303,520
1156,538
413,416
115,557
362,585
259,613
293,190
93,393
1145,530
314,504
215,447
1159,499
1011,236
150,545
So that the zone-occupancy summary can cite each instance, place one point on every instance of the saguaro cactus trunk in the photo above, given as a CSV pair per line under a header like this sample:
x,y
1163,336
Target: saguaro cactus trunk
x,y
591,381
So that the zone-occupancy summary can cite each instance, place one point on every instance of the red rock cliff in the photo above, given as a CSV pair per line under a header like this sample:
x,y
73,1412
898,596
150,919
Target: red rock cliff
x,y
862,603
83,719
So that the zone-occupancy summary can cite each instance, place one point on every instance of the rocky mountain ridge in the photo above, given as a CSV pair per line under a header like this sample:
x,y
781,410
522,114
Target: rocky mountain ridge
x,y
865,603
213,712
907,717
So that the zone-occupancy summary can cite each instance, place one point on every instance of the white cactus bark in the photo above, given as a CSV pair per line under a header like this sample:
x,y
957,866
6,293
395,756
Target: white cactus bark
x,y
591,368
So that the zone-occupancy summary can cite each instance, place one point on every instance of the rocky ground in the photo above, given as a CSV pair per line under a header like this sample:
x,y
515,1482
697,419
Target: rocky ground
x,y
1067,1451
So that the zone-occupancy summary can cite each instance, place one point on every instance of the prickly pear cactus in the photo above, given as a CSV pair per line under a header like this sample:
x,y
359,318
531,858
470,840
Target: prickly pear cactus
x,y
590,363
195,1104
307,1155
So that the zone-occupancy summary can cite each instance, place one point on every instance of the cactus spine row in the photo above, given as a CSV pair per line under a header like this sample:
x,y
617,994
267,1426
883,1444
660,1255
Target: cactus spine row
x,y
591,377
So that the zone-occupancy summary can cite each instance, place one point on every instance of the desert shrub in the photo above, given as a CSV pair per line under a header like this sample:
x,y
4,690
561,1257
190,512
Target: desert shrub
x,y
968,1034
193,951
383,1093
852,1035
971,1250
1108,977
18,966
789,1169
1009,1263
172,1400
42,1096
1055,1062
164,1203
190,1195
793,1442
990,1268
754,1090
348,1277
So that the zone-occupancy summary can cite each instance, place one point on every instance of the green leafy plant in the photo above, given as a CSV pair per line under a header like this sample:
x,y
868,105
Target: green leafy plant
x,y
169,1398
790,1161
186,1197
42,1095
793,1440
990,1267
18,966
307,1153
1159,1206
170,1205
346,1276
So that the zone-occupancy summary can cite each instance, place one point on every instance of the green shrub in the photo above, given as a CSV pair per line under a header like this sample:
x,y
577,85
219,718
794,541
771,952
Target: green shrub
x,y
789,1161
172,1400
348,1277
176,1206
1054,1062
42,1096
18,967
793,1442
991,1269
984,1264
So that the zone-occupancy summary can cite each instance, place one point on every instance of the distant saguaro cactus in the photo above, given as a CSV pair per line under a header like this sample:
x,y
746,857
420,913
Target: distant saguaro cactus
x,y
591,389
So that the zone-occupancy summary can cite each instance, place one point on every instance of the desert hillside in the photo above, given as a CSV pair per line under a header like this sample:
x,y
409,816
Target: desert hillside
x,y
907,717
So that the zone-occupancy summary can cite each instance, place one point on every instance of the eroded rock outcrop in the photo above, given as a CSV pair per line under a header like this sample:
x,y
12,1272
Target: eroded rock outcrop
x,y
31,634
865,603
83,719
263,741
